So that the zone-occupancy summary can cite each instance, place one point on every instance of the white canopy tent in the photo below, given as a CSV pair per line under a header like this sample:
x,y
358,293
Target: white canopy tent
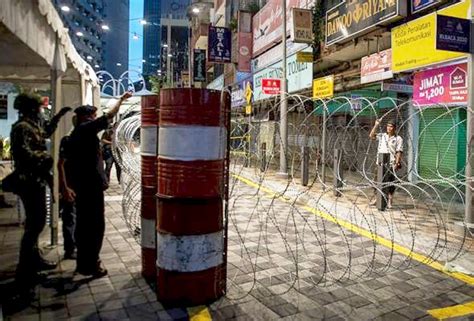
x,y
36,52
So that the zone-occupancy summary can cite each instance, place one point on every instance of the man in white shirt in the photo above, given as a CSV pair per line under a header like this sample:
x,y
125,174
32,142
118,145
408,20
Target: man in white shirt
x,y
389,143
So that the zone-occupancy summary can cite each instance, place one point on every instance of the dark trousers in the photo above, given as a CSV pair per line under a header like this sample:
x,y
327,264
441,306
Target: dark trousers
x,y
33,197
108,168
90,227
68,215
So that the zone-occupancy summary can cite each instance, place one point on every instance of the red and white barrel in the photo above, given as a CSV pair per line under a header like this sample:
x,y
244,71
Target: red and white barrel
x,y
148,138
190,232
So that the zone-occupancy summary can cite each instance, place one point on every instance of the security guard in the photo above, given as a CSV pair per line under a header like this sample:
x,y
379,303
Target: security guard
x,y
89,182
33,166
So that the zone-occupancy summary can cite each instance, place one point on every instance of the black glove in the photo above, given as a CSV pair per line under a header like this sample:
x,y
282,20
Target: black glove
x,y
64,111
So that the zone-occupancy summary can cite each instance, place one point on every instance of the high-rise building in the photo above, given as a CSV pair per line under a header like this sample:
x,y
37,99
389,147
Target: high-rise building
x,y
99,30
161,15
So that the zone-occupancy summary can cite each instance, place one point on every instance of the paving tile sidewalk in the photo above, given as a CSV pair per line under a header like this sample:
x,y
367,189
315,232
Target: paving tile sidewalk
x,y
261,274
122,295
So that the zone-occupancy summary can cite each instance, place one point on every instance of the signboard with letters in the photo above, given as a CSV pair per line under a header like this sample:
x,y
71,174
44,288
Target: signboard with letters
x,y
268,21
408,38
376,67
240,88
323,87
446,85
453,34
199,65
271,86
419,5
351,18
302,56
299,75
302,31
219,44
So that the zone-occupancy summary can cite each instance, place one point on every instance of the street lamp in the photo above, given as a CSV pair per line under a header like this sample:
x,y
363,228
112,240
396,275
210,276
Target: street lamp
x,y
79,34
143,22
105,27
195,10
65,9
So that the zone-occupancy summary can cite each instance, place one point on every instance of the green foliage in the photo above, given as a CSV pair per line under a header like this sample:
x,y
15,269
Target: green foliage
x,y
253,7
318,27
233,24
156,83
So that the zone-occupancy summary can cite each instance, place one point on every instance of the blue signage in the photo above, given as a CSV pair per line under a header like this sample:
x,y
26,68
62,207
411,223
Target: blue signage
x,y
453,34
219,44
418,5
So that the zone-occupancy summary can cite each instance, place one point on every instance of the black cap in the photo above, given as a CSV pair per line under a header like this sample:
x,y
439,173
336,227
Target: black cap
x,y
85,110
27,102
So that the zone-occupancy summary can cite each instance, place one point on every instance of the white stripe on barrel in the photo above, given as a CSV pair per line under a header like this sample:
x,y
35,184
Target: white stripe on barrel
x,y
148,138
189,253
190,143
148,233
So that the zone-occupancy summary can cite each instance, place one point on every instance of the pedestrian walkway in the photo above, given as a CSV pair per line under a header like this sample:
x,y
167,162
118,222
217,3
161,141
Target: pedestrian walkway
x,y
276,268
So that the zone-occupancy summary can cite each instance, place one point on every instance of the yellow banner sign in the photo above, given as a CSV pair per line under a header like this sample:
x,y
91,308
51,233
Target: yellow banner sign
x,y
323,87
414,43
304,56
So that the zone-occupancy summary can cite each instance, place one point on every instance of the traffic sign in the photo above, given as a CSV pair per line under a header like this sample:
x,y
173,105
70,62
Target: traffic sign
x,y
248,93
248,109
271,86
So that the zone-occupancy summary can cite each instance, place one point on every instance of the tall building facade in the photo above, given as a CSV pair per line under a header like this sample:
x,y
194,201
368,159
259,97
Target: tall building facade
x,y
99,30
161,15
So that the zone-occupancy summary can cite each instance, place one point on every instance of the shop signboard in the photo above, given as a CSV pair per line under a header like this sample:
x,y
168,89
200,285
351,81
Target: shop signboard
x,y
453,34
446,85
323,87
274,55
299,76
396,87
268,21
302,56
419,5
219,44
408,38
245,51
240,88
376,67
352,18
199,65
271,86
302,31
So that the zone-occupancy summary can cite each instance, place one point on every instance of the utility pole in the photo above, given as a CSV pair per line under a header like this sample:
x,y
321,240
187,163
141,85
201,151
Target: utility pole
x,y
283,102
469,215
168,54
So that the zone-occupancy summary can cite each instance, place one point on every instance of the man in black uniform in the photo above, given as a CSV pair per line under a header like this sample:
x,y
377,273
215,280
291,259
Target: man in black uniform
x,y
33,166
67,207
89,182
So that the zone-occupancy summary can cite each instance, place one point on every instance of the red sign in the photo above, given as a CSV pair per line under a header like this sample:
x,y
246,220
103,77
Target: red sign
x,y
271,86
245,51
376,67
445,85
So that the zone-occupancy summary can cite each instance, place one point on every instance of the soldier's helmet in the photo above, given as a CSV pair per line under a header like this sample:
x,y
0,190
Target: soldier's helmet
x,y
25,103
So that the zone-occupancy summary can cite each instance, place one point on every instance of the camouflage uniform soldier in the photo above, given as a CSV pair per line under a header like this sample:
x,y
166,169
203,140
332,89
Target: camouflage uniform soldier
x,y
33,166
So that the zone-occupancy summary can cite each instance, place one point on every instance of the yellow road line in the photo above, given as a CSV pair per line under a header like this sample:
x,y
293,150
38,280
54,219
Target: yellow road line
x,y
363,232
199,313
453,311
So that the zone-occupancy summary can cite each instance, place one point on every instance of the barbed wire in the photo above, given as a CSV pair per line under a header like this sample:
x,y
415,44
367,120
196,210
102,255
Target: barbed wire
x,y
284,236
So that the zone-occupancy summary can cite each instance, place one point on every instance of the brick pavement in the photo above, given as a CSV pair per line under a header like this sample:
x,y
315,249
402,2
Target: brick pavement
x,y
283,263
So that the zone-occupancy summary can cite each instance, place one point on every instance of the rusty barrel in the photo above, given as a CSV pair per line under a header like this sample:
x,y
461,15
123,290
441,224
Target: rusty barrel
x,y
190,235
148,138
